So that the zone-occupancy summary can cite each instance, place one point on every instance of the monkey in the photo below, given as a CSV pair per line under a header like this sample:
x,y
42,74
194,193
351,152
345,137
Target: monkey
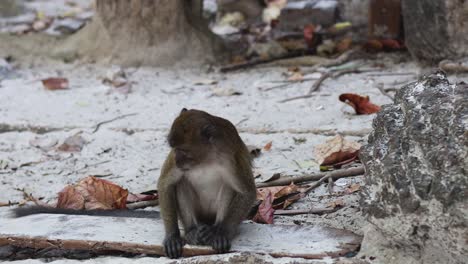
x,y
206,183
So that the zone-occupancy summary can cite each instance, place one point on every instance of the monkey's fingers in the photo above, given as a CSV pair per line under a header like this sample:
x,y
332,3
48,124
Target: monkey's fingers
x,y
173,246
205,234
221,244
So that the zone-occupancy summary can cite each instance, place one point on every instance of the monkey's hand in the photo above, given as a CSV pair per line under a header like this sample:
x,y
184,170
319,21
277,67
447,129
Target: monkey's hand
x,y
173,245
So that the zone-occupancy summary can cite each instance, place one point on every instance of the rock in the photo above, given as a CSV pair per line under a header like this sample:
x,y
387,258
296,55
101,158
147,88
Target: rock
x,y
416,164
297,14
436,30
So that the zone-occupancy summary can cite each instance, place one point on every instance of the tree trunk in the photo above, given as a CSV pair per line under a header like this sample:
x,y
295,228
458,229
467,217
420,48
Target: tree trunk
x,y
147,32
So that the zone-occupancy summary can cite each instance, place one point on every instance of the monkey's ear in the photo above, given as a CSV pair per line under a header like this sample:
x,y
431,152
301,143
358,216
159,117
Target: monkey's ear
x,y
183,110
208,132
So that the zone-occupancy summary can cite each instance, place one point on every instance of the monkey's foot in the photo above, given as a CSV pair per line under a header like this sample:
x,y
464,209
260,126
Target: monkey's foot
x,y
200,235
173,245
220,243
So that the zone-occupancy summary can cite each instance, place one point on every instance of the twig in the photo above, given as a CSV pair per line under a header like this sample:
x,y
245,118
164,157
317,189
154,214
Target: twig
x,y
255,62
29,197
453,66
320,177
98,125
391,73
330,186
316,86
142,204
343,58
306,211
380,86
241,121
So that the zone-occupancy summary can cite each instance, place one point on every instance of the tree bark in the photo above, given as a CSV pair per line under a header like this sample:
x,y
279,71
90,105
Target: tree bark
x,y
147,32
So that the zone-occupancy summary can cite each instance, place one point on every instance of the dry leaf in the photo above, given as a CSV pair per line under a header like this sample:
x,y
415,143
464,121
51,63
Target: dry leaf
x,y
308,33
205,82
373,45
73,144
336,150
267,147
217,91
336,203
353,188
391,44
93,193
344,45
43,143
4,204
265,211
283,196
55,83
361,105
296,77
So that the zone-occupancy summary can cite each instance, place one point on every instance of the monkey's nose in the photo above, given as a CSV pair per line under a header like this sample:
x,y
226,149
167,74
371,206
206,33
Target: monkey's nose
x,y
182,157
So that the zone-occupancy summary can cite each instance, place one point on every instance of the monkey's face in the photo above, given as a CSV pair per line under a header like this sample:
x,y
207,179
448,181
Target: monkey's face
x,y
191,138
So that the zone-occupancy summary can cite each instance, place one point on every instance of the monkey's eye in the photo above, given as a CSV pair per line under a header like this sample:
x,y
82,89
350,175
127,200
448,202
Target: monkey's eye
x,y
208,132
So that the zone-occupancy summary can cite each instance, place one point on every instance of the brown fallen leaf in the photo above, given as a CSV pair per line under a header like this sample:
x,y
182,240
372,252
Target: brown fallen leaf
x,y
344,45
267,147
308,33
335,151
55,83
92,193
265,211
4,204
353,188
361,104
73,144
336,203
283,196
218,91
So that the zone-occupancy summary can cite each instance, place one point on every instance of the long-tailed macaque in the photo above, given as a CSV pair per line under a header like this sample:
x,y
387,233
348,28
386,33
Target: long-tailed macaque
x,y
206,183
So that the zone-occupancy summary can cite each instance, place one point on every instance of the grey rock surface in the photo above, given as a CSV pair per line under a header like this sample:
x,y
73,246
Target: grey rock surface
x,y
416,163
436,30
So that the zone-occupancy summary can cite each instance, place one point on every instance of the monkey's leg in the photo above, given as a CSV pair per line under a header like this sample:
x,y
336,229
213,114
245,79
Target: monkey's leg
x,y
188,208
173,243
233,208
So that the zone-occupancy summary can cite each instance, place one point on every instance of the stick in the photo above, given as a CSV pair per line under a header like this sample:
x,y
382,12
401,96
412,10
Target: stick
x,y
380,86
343,58
142,204
316,86
391,74
255,62
330,186
306,211
338,174
96,128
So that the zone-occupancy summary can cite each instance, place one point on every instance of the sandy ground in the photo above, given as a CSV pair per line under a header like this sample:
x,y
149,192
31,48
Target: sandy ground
x,y
130,151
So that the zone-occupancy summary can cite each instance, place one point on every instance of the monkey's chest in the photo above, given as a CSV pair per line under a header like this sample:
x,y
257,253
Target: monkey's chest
x,y
208,187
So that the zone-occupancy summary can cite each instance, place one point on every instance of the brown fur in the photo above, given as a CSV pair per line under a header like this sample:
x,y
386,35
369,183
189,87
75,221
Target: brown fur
x,y
206,182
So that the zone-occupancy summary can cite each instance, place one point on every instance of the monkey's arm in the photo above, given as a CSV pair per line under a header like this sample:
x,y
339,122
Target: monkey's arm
x,y
173,243
30,210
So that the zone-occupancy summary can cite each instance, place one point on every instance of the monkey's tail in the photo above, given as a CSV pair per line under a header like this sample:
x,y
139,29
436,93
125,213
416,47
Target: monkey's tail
x,y
31,210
